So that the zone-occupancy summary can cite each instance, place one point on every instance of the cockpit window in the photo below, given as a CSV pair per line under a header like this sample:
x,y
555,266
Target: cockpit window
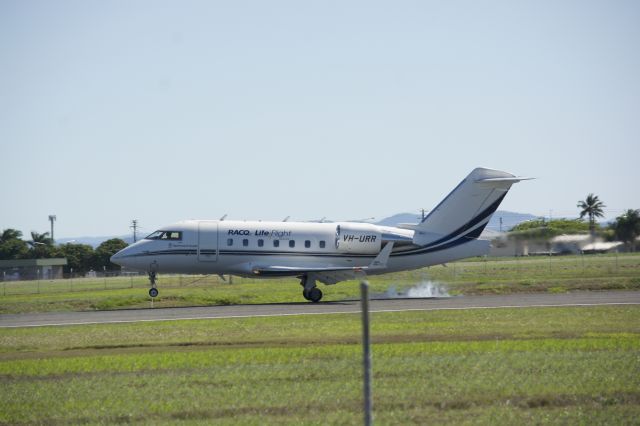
x,y
165,235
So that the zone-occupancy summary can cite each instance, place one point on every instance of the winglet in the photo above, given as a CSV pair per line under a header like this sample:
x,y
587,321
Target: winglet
x,y
381,259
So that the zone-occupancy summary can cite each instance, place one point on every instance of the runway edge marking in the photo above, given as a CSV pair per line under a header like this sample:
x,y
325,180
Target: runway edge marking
x,y
553,305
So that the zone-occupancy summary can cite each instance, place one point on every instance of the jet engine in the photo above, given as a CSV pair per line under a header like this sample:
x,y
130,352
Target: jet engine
x,y
358,238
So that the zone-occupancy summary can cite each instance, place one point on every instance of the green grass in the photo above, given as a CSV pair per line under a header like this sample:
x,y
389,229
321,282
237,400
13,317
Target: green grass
x,y
476,276
534,365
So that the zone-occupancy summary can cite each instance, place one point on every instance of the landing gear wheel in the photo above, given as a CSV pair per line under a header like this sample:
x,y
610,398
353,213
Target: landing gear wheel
x,y
310,291
314,295
153,291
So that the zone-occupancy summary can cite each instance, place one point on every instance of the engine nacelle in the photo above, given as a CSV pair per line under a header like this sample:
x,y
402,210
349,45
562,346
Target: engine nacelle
x,y
359,238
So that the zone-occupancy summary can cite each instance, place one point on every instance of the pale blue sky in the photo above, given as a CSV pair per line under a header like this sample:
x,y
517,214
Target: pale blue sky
x,y
161,111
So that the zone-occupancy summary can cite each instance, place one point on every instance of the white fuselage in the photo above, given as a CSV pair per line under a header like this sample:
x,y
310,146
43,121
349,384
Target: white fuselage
x,y
250,248
325,252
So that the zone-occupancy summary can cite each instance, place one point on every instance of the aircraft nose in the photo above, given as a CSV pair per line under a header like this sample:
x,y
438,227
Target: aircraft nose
x,y
117,258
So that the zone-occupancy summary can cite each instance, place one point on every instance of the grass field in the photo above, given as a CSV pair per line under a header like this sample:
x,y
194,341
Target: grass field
x,y
578,365
479,276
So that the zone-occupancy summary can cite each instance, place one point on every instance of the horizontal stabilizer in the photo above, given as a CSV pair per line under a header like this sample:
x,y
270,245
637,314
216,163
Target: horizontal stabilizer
x,y
503,182
509,180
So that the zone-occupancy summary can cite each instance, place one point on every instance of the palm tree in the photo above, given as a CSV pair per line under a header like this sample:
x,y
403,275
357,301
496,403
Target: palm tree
x,y
40,239
591,207
11,245
10,234
627,227
41,245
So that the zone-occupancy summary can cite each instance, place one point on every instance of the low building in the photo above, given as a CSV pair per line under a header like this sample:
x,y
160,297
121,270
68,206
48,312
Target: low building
x,y
603,247
584,243
32,269
503,245
571,244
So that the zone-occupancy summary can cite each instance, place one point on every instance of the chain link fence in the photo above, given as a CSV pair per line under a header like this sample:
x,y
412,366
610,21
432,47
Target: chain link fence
x,y
475,271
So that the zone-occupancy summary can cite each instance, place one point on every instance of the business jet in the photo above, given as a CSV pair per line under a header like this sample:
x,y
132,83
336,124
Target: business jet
x,y
324,252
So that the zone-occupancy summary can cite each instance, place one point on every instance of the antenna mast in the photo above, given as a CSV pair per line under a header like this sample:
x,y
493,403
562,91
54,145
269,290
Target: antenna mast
x,y
134,226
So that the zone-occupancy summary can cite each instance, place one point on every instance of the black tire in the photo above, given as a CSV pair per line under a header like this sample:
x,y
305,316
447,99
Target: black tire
x,y
153,292
315,294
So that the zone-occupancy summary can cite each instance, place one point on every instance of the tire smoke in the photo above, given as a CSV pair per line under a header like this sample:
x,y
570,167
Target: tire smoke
x,y
423,289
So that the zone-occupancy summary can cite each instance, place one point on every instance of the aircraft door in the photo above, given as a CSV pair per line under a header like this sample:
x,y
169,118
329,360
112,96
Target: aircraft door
x,y
207,241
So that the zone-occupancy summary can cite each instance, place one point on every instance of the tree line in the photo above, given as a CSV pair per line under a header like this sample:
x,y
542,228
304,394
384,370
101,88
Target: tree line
x,y
625,228
80,257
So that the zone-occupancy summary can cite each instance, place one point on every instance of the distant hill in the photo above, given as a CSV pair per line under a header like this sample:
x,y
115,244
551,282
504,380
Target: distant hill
x,y
509,219
399,218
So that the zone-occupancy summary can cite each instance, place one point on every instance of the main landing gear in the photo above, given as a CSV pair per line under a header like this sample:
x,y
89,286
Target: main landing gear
x,y
153,291
310,291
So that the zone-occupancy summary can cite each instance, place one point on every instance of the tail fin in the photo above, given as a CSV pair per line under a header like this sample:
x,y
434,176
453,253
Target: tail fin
x,y
467,209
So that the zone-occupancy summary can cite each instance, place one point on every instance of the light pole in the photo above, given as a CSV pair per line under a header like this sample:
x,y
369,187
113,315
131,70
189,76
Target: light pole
x,y
52,218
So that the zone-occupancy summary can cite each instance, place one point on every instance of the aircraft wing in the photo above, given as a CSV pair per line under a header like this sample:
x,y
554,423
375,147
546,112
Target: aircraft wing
x,y
329,274
324,275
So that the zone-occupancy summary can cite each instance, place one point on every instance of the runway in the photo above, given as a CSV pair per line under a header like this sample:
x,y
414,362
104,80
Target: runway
x,y
594,298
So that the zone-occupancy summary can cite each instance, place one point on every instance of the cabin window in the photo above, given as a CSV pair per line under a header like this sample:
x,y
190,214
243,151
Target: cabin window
x,y
276,243
322,244
260,242
292,243
307,244
229,242
165,235
245,242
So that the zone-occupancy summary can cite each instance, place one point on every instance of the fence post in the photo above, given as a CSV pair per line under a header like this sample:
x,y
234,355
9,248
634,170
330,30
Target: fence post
x,y
104,276
366,346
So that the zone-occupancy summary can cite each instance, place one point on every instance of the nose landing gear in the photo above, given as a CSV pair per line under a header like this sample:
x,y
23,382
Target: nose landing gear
x,y
153,291
310,291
